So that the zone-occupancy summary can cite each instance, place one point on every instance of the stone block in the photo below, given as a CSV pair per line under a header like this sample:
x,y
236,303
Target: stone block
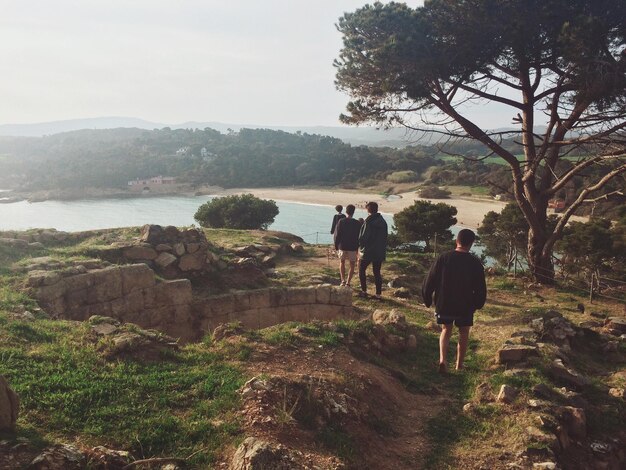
x,y
103,308
270,316
507,394
299,313
163,247
118,307
139,252
50,293
182,315
149,297
341,296
347,312
107,285
179,249
301,295
260,298
80,281
241,301
177,292
324,312
278,296
77,298
516,353
222,305
248,318
322,294
134,301
135,277
191,262
165,259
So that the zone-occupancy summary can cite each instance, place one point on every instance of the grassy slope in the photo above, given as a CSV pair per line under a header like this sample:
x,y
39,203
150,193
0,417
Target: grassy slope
x,y
186,403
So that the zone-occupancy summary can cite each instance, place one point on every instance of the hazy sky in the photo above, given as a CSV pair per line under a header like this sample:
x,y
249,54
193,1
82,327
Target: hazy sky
x,y
265,62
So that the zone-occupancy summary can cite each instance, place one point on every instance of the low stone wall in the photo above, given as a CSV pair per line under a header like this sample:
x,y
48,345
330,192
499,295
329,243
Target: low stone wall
x,y
266,307
130,293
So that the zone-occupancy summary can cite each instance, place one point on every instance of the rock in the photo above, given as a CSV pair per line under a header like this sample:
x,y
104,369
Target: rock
x,y
411,343
516,353
507,394
591,324
574,420
255,454
543,391
539,404
165,259
617,324
468,407
254,385
483,393
104,329
58,457
144,345
545,466
618,393
517,373
140,252
152,234
560,372
179,249
392,318
402,293
9,406
297,248
191,262
611,346
109,458
163,247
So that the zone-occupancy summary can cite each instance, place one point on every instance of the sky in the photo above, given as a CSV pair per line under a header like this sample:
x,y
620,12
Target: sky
x,y
266,62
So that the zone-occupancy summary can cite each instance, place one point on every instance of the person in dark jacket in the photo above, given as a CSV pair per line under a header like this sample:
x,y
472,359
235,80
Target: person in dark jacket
x,y
337,217
373,248
347,243
457,280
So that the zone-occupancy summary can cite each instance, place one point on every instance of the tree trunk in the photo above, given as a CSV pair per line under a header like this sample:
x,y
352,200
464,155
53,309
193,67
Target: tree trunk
x,y
540,259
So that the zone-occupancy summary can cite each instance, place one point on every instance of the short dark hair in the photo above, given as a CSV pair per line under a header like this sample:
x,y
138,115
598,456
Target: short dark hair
x,y
338,207
372,206
350,209
466,237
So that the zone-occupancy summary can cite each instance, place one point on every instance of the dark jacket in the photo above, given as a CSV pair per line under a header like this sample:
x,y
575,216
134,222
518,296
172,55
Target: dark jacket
x,y
347,234
457,280
336,218
373,238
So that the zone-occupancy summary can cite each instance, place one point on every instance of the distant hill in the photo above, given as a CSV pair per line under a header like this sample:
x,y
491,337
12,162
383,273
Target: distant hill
x,y
370,136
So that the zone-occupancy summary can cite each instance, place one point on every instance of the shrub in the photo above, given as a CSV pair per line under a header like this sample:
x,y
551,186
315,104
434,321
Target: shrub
x,y
237,212
433,192
407,176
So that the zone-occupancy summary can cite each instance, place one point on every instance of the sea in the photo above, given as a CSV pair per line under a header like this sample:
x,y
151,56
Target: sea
x,y
311,222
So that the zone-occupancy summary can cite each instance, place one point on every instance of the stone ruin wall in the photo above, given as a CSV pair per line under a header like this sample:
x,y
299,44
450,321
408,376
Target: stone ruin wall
x,y
131,293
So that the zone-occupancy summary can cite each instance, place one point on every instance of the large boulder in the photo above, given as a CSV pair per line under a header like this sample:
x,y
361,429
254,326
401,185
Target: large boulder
x,y
9,406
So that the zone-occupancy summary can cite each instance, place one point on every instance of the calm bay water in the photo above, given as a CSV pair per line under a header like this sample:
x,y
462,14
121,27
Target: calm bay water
x,y
311,222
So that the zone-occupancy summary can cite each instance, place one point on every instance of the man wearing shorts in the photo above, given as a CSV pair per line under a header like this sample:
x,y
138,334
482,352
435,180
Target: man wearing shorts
x,y
346,238
457,280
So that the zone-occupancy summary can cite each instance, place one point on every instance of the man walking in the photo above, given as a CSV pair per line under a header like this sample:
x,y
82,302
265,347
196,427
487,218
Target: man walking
x,y
336,218
347,243
373,248
457,280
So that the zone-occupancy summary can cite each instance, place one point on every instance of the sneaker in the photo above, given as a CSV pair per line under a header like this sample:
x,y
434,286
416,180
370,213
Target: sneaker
x,y
378,297
363,294
443,368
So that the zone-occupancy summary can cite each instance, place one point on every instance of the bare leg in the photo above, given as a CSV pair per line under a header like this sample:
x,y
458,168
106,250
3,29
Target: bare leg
x,y
444,341
342,270
351,272
461,349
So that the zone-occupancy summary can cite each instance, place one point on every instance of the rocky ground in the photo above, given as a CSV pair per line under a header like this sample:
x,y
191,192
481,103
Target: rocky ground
x,y
543,388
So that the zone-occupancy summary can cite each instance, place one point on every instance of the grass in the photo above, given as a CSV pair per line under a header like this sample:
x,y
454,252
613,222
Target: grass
x,y
165,409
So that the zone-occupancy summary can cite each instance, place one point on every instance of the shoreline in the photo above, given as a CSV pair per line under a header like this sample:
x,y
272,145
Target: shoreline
x,y
470,211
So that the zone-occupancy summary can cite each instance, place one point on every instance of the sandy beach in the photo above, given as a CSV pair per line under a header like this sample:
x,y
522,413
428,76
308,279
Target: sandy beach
x,y
470,211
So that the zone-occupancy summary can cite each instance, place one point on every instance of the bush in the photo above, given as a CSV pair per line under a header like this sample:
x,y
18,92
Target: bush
x,y
434,192
238,212
402,176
